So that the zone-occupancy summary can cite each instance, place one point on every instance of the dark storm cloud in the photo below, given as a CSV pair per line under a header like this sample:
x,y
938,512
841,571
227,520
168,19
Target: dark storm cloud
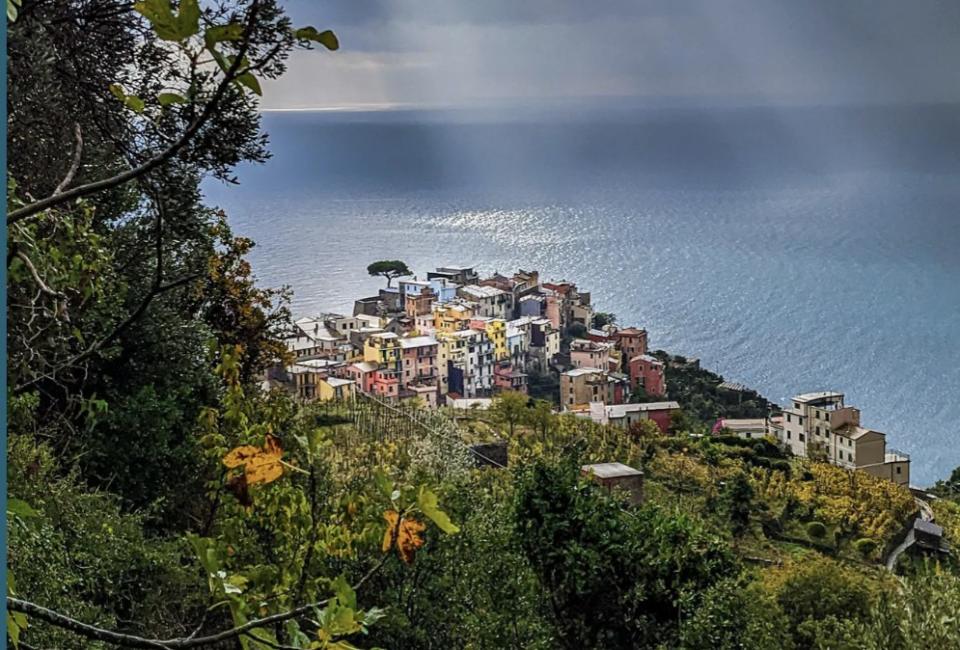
x,y
454,52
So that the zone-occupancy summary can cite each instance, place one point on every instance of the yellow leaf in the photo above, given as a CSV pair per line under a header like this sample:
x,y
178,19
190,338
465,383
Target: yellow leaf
x,y
240,456
406,536
260,465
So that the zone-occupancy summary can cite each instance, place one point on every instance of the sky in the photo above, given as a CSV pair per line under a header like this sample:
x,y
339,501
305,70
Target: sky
x,y
463,53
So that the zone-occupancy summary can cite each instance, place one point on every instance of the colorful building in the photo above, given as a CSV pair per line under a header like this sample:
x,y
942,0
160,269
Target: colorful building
x,y
590,354
647,374
632,342
820,425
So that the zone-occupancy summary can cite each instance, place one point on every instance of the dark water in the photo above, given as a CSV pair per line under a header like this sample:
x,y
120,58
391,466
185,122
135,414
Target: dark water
x,y
793,250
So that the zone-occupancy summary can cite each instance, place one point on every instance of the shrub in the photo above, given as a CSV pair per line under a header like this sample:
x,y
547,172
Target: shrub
x,y
816,530
866,546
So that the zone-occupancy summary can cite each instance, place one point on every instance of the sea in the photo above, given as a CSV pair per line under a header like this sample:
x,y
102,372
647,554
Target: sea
x,y
792,249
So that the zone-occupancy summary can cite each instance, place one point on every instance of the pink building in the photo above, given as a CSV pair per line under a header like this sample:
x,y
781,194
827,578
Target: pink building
x,y
385,384
647,373
362,373
506,378
418,360
589,354
632,342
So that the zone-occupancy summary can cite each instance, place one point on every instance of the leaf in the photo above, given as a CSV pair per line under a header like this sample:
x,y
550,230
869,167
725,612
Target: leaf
x,y
13,10
188,20
221,33
406,537
260,465
118,91
21,509
166,99
240,456
160,15
165,23
16,622
247,79
427,501
134,103
326,38
345,594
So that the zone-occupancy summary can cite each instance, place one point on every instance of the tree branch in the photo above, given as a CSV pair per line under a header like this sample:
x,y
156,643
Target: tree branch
x,y
180,643
136,172
75,165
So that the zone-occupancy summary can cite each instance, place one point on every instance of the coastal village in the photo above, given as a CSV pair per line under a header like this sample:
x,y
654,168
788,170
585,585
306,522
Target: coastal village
x,y
456,339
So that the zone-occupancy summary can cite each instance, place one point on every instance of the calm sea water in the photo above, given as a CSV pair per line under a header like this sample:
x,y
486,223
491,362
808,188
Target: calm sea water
x,y
792,250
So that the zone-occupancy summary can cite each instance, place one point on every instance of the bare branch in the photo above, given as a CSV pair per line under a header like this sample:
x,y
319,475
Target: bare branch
x,y
75,165
36,276
131,641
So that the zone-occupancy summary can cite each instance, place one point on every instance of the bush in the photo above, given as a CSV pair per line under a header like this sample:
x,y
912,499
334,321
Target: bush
x,y
816,530
781,466
866,547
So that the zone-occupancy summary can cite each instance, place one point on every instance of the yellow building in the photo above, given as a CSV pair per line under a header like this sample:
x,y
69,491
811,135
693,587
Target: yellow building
x,y
452,316
496,329
383,348
334,388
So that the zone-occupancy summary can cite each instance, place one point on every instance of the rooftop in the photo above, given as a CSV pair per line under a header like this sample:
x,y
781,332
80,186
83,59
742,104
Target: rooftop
x,y
478,291
577,372
616,411
417,342
610,470
743,423
813,397
336,381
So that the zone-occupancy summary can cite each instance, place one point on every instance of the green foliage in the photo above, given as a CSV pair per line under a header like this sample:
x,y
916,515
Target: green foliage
x,y
614,579
577,330
735,614
866,547
510,408
816,530
602,319
818,595
389,269
736,501
698,390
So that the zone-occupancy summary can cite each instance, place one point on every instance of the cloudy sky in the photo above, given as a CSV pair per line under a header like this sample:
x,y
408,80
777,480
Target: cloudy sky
x,y
478,52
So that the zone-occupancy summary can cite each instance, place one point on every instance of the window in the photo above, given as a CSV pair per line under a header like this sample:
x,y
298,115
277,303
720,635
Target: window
x,y
788,417
898,469
802,438
788,435
818,431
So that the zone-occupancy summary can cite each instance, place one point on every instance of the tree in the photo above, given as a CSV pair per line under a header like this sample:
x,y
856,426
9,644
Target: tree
x,y
539,416
510,408
737,502
818,593
602,319
389,269
613,579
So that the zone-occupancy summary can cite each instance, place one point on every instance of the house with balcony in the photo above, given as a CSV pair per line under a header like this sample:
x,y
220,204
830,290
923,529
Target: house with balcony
x,y
418,360
506,377
544,346
820,425
466,363
581,386
453,316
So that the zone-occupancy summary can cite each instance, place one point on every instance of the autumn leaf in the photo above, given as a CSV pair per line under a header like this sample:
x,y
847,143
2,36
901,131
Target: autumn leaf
x,y
406,535
260,465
